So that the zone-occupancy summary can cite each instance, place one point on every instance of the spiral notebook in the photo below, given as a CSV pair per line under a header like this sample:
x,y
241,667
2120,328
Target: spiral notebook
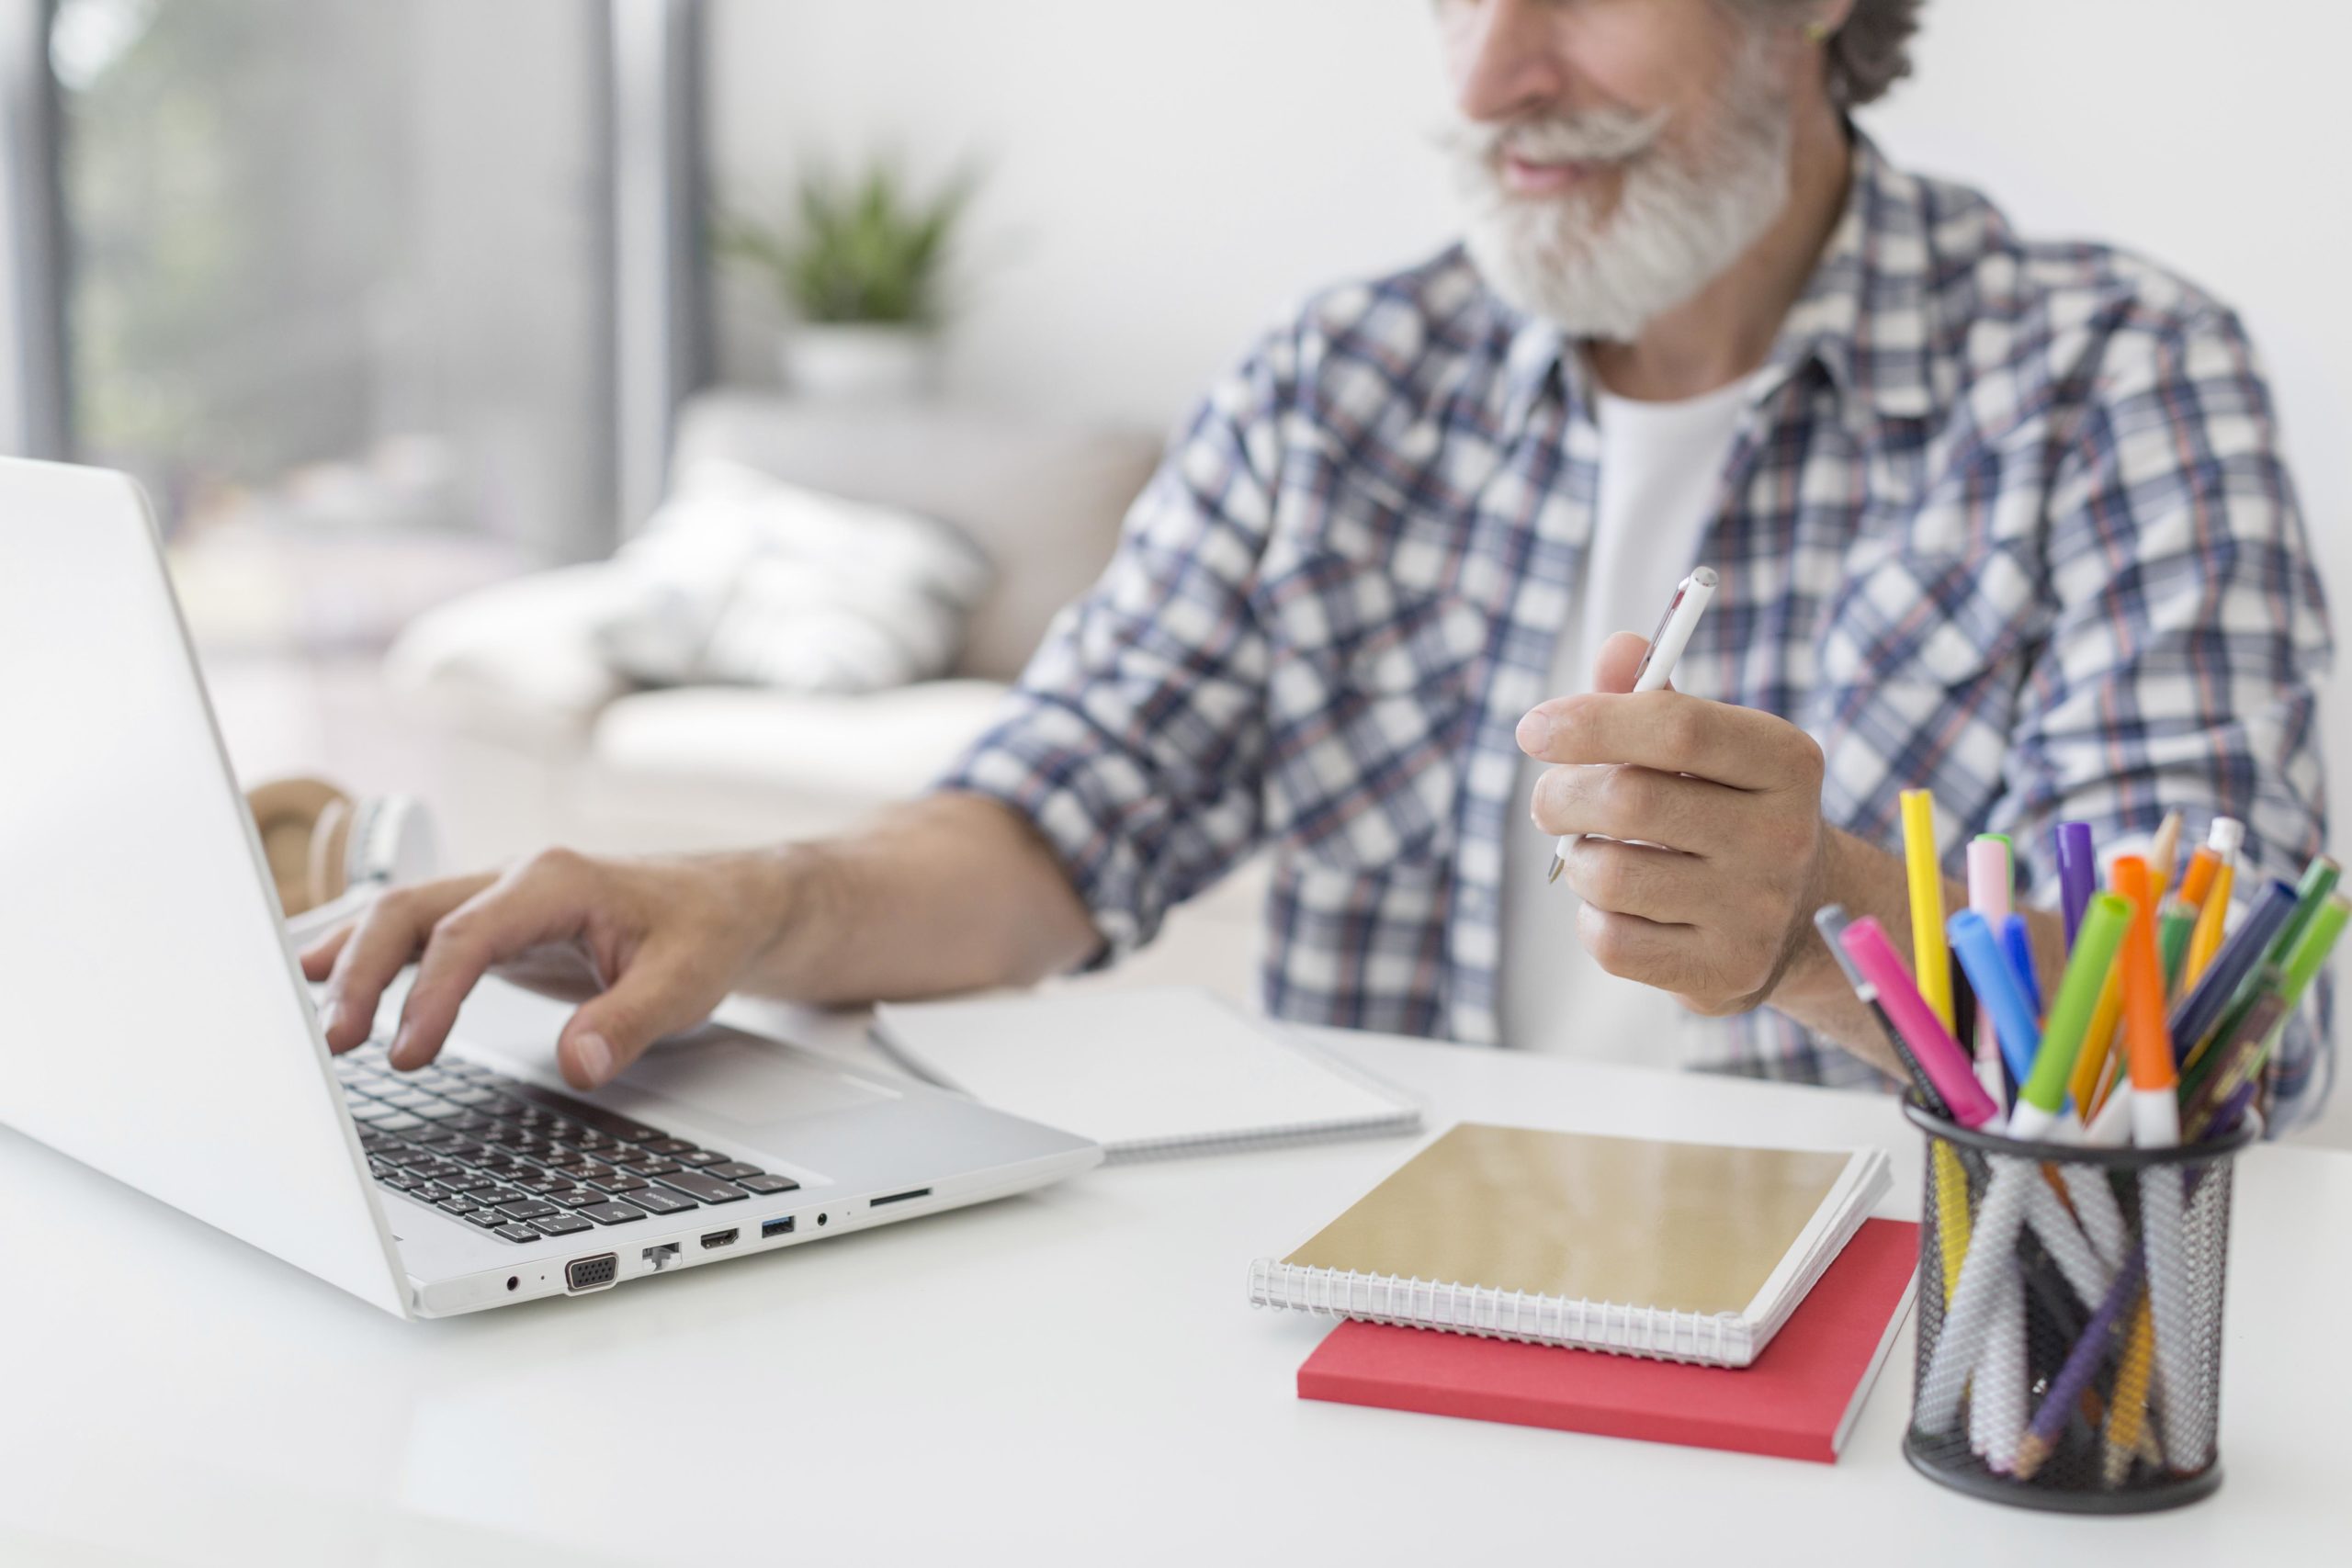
x,y
1150,1073
1684,1251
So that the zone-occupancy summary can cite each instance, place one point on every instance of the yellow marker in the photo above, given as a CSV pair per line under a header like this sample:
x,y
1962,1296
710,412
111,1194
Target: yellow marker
x,y
2127,1417
1930,955
1951,1214
2206,939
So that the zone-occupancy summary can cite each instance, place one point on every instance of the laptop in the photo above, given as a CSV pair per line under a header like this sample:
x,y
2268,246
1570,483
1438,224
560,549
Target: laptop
x,y
159,1029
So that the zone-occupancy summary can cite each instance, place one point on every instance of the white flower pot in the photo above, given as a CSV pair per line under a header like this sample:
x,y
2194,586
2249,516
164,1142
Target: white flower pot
x,y
858,362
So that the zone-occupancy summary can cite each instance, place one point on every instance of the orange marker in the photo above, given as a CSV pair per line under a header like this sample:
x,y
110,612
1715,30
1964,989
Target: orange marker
x,y
2147,1042
2094,1070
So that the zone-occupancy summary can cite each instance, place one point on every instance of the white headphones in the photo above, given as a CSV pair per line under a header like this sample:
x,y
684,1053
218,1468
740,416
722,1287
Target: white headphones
x,y
330,855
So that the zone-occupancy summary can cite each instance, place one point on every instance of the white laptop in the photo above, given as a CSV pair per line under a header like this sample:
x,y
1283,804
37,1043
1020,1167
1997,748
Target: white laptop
x,y
159,1030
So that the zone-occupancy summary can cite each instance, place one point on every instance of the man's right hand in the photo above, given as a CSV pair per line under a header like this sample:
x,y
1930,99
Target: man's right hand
x,y
648,946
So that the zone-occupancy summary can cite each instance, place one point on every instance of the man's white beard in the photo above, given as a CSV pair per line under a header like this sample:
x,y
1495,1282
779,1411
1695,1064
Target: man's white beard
x,y
1683,215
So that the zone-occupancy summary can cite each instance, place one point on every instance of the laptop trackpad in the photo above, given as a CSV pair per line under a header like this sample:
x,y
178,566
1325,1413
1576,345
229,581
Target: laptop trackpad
x,y
726,1077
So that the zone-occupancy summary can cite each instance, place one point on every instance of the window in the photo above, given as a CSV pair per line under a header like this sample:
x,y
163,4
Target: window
x,y
340,265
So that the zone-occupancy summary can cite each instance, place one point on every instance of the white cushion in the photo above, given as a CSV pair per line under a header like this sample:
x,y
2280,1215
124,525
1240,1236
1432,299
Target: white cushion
x,y
876,746
515,662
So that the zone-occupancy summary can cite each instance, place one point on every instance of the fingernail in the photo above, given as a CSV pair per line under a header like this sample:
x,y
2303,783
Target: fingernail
x,y
398,1053
1534,732
594,1056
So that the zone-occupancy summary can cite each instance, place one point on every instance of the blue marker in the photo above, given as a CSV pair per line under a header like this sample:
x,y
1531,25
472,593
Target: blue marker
x,y
2016,1022
2019,943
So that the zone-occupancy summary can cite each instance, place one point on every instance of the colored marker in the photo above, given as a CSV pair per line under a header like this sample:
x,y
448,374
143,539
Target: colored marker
x,y
2147,1042
1998,990
1929,958
2318,881
2214,914
1830,920
2078,874
2131,880
1939,1055
2203,1007
2043,1098
2074,1375
1990,877
2017,941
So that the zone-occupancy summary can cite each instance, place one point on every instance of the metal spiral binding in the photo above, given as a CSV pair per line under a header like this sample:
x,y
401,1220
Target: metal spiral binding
x,y
1720,1338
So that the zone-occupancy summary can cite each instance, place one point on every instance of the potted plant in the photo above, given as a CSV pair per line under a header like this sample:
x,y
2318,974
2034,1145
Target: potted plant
x,y
861,270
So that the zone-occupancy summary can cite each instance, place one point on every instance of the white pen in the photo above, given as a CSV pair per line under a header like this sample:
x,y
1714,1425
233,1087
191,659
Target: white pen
x,y
1691,596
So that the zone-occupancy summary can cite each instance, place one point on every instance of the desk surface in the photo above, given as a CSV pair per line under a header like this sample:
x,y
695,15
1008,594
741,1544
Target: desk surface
x,y
1067,1376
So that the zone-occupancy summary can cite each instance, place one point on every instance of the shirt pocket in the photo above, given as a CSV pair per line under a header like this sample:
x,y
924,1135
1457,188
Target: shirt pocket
x,y
1371,697
1919,661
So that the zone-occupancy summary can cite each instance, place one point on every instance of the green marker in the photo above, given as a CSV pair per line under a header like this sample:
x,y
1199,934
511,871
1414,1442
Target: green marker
x,y
2319,880
2043,1100
2173,931
2303,966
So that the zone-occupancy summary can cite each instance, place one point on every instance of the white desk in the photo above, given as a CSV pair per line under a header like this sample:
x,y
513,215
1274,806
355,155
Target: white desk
x,y
1068,1377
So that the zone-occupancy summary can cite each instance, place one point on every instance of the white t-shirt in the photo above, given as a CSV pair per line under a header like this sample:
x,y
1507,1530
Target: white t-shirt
x,y
1661,465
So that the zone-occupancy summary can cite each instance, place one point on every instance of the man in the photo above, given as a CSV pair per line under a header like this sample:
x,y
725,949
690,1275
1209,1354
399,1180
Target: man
x,y
2000,518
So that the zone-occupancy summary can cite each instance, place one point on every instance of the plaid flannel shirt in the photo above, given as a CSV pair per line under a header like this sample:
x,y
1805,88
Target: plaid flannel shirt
x,y
2002,518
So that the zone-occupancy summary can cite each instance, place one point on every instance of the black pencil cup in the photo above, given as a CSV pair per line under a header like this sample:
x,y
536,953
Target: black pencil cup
x,y
2070,1320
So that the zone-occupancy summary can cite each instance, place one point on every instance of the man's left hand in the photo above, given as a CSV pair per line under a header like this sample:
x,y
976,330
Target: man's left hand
x,y
1712,855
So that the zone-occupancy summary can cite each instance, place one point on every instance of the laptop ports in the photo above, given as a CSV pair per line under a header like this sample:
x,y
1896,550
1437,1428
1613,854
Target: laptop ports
x,y
596,1273
719,1238
771,1229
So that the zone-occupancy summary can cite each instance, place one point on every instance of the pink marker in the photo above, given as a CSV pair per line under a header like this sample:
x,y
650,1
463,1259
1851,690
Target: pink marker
x,y
1990,877
1939,1055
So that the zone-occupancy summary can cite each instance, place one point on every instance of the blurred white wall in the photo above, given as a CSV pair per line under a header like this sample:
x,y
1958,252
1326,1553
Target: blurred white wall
x,y
1167,176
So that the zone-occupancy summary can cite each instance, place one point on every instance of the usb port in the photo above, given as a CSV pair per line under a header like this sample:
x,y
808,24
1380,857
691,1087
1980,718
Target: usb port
x,y
719,1238
775,1227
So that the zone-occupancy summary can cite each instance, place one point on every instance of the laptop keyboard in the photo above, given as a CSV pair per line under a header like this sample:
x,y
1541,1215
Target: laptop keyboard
x,y
522,1162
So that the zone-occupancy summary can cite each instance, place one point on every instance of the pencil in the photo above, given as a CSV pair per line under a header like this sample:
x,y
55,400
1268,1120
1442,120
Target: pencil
x,y
2130,879
2212,916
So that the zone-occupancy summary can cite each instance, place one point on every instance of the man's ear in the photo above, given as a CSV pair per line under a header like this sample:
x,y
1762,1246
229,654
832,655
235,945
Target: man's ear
x,y
1826,19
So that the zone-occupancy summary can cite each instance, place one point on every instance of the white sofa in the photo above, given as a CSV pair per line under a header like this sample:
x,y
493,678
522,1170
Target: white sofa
x,y
535,742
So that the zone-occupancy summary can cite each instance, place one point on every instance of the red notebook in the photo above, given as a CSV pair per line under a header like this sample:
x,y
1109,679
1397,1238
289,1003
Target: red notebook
x,y
1797,1399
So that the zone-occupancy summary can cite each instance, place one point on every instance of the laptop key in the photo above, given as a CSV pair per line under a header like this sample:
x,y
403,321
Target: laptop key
x,y
613,1213
578,1198
560,1224
618,1181
527,1209
700,1157
488,1219
398,1122
460,1206
584,1113
766,1183
733,1170
658,1199
694,1184
643,1167
545,1183
520,1233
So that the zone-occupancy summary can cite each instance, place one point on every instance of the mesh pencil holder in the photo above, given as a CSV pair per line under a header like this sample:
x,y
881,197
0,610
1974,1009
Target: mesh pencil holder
x,y
2070,1319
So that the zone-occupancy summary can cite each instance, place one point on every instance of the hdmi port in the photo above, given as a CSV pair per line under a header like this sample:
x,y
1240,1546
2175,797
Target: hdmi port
x,y
719,1238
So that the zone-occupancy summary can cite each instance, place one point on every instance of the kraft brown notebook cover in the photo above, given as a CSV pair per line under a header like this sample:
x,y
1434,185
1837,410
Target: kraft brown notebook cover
x,y
1684,1250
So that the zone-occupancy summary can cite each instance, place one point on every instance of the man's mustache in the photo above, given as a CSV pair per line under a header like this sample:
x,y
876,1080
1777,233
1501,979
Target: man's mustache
x,y
1597,136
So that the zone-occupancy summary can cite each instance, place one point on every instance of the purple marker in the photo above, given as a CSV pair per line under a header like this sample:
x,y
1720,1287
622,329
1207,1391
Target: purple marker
x,y
2077,874
2089,1351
